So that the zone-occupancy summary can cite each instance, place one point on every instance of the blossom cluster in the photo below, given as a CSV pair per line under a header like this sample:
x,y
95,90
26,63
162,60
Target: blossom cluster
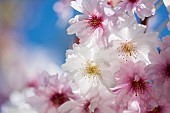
x,y
117,66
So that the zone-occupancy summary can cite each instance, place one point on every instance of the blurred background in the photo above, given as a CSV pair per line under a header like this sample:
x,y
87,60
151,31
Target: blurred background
x,y
41,24
33,38
35,24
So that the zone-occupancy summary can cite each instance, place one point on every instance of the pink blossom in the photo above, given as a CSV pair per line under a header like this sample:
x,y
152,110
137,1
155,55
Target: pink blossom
x,y
157,106
132,43
143,8
94,102
132,84
84,104
89,26
159,70
89,68
51,94
165,42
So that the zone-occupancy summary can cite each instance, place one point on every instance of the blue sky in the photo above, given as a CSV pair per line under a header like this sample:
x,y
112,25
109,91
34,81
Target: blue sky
x,y
41,29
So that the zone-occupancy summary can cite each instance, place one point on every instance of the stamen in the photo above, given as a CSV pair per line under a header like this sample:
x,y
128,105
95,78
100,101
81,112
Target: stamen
x,y
91,70
138,86
95,21
58,99
128,49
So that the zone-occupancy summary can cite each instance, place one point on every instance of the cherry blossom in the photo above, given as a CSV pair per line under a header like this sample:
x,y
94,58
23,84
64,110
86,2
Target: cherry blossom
x,y
119,65
92,22
93,102
82,104
132,84
157,105
133,43
165,43
89,68
51,94
143,8
159,71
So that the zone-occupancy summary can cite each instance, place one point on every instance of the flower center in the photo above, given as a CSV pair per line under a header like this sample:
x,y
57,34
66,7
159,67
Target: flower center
x,y
128,49
167,71
109,2
58,99
156,110
132,1
95,21
138,86
86,107
92,69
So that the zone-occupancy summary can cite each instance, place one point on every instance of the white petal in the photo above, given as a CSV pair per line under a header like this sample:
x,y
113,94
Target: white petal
x,y
136,31
52,110
72,64
76,27
77,110
67,107
166,2
124,34
77,6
